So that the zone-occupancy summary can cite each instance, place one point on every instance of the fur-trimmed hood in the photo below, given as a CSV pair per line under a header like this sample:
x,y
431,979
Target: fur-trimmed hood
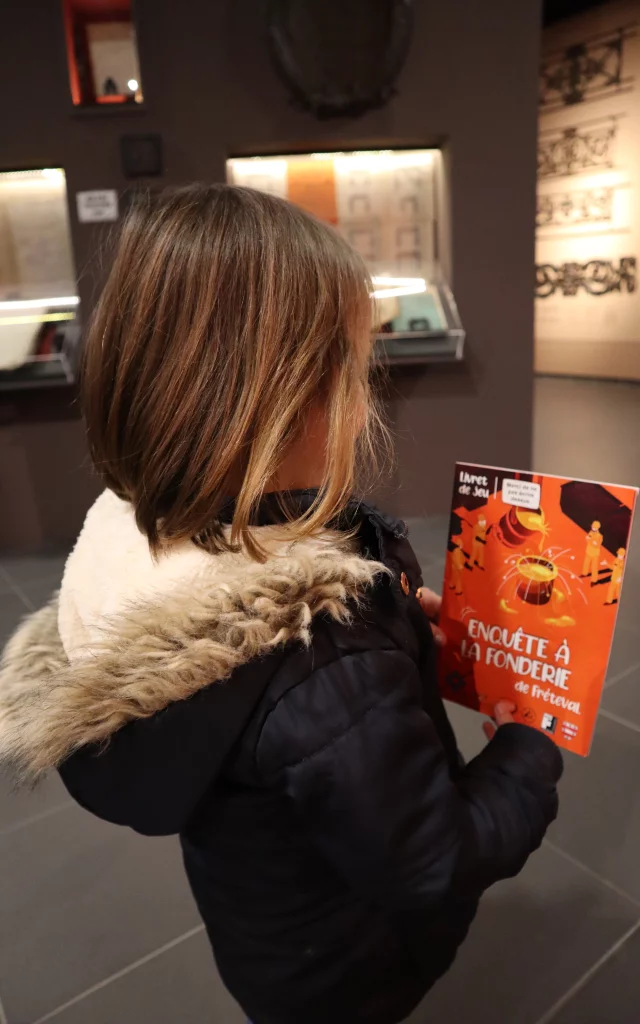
x,y
127,636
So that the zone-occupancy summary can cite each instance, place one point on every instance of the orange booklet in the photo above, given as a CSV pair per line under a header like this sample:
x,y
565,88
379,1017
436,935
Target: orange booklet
x,y
532,585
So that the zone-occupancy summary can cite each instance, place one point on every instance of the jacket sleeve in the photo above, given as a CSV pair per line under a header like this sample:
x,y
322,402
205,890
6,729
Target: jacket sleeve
x,y
154,772
374,789
151,774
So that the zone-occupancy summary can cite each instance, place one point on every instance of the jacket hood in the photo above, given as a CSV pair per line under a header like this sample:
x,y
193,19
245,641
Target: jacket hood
x,y
123,639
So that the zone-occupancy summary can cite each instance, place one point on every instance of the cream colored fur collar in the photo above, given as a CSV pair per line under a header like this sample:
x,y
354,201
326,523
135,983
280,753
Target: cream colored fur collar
x,y
128,636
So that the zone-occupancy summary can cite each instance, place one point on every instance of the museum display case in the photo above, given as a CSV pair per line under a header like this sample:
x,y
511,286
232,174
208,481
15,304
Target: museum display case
x,y
389,205
39,329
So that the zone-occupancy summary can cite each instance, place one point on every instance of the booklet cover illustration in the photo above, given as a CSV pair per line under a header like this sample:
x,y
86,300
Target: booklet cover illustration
x,y
533,578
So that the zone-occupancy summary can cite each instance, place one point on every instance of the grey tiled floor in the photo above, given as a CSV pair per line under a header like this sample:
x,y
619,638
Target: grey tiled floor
x,y
97,925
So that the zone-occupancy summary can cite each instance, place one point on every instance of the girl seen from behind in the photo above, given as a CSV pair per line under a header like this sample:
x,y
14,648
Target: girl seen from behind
x,y
239,654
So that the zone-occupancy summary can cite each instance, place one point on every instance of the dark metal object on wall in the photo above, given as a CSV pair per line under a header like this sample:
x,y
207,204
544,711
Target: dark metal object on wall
x,y
141,156
584,71
340,58
595,277
571,150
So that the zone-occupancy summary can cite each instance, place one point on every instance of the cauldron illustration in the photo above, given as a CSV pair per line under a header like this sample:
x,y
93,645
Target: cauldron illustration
x,y
537,577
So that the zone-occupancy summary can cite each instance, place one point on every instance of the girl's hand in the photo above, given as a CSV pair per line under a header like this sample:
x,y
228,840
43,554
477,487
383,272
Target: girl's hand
x,y
431,603
502,715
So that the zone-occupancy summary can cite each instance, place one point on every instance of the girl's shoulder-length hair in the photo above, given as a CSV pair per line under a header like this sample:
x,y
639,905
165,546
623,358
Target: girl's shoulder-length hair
x,y
228,315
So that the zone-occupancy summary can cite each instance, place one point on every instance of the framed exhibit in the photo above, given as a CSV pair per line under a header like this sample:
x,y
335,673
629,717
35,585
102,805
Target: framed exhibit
x,y
102,53
387,204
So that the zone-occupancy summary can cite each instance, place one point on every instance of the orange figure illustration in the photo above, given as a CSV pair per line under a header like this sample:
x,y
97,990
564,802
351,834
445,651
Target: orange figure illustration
x,y
592,552
617,572
479,542
457,557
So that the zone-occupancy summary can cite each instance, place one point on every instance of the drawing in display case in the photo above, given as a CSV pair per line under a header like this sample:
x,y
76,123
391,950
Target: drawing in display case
x,y
386,203
39,329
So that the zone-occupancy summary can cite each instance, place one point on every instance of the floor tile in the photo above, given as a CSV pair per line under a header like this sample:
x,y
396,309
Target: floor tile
x,y
428,537
31,569
535,937
587,429
612,995
181,985
467,726
623,698
629,614
599,821
433,575
633,555
40,592
12,611
624,652
81,900
18,806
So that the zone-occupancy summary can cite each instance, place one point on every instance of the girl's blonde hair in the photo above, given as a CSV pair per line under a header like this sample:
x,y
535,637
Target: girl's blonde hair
x,y
228,314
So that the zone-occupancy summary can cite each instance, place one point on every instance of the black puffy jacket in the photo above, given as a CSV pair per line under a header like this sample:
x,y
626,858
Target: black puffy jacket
x,y
336,845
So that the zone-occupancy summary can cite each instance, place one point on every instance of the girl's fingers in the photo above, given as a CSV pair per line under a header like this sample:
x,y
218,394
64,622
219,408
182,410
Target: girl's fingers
x,y
430,602
502,715
503,712
489,730
438,635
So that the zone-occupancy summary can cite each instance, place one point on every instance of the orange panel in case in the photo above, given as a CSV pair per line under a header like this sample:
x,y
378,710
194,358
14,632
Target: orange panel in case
x,y
311,184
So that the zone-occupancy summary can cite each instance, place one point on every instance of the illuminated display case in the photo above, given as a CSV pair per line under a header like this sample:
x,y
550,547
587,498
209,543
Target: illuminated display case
x,y
386,204
39,332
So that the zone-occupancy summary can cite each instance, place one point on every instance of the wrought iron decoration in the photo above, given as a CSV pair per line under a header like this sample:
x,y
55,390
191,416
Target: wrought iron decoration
x,y
595,277
567,209
340,58
576,149
583,71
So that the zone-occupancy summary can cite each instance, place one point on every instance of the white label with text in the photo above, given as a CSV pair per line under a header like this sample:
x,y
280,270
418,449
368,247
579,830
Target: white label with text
x,y
97,205
522,493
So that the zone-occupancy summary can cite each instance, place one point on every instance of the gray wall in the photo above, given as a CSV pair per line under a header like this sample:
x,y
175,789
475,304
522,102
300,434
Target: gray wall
x,y
470,83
